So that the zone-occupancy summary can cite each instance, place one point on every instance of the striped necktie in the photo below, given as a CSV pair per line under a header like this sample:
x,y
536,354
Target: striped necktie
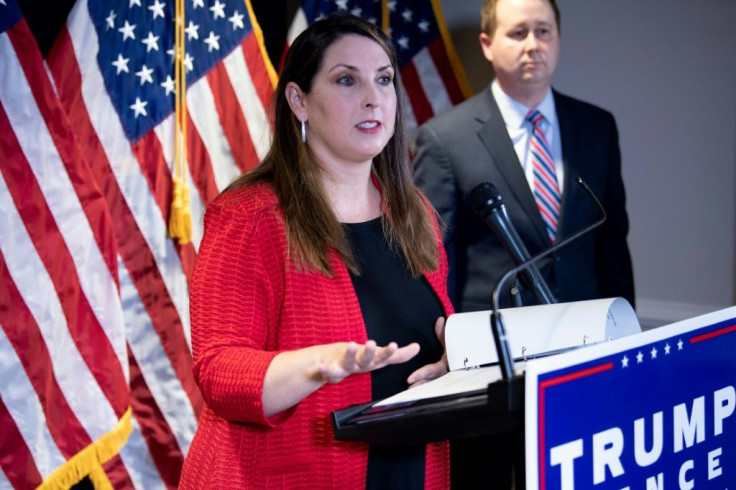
x,y
546,189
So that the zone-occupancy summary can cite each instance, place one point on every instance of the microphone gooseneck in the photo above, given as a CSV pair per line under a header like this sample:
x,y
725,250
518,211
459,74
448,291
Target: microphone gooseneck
x,y
505,360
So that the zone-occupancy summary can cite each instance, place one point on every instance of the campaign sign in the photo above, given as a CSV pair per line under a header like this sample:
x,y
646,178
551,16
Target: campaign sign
x,y
655,410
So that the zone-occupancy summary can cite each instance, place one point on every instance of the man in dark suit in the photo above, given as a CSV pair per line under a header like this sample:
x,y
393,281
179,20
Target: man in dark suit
x,y
489,138
473,143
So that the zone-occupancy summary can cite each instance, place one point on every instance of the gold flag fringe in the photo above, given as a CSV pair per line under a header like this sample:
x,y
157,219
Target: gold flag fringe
x,y
88,462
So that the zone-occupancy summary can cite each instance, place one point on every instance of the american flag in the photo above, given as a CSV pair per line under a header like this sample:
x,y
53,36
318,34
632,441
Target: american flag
x,y
65,403
432,77
113,70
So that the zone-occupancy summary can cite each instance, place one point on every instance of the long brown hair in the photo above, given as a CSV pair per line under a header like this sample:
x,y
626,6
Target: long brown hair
x,y
312,227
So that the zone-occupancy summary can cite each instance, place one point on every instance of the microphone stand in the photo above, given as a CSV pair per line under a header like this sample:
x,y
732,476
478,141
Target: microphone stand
x,y
505,360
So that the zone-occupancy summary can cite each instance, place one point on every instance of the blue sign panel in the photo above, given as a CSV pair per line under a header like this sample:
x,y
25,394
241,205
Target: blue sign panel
x,y
655,410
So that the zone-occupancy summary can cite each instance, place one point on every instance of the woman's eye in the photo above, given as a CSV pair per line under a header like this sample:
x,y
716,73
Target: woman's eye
x,y
345,80
385,79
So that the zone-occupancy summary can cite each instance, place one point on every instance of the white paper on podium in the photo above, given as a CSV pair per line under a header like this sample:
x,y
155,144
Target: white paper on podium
x,y
531,331
536,330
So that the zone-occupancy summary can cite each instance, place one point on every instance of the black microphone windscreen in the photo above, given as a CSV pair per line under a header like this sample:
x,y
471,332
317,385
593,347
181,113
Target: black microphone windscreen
x,y
485,196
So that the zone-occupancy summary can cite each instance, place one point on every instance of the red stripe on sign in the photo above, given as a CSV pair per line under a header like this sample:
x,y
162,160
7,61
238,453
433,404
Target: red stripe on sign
x,y
543,385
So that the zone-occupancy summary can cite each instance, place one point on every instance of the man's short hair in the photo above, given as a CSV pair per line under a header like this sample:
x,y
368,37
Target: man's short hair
x,y
488,16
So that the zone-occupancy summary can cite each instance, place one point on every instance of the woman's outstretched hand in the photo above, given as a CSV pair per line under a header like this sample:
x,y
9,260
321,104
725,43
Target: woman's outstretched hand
x,y
293,375
349,358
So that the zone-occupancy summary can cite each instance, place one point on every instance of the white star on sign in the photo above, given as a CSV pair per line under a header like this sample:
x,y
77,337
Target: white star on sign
x,y
667,348
639,357
654,352
625,361
197,3
679,345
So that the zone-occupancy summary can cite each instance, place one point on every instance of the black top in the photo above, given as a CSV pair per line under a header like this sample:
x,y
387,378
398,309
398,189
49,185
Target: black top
x,y
401,308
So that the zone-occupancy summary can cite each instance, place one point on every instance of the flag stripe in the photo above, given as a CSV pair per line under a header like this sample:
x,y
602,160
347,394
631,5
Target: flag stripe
x,y
136,456
420,104
30,200
430,81
149,155
117,473
231,117
207,124
20,470
22,333
259,75
150,359
167,453
444,70
250,98
33,282
201,169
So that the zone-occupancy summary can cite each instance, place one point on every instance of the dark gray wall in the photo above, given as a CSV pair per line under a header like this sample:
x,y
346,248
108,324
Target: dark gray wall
x,y
667,71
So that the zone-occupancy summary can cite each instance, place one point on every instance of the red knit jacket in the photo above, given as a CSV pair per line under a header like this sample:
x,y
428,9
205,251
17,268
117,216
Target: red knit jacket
x,y
248,303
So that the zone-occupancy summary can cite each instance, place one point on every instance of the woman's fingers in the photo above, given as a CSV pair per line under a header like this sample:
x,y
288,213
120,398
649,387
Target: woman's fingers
x,y
367,355
351,358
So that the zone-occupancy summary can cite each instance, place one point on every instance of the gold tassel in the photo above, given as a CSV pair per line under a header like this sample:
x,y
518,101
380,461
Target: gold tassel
x,y
180,218
180,213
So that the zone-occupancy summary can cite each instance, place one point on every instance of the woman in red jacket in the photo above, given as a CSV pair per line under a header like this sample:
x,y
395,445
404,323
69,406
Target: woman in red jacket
x,y
325,245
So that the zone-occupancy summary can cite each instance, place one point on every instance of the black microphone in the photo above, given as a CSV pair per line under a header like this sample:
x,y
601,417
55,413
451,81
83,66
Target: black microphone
x,y
505,360
489,205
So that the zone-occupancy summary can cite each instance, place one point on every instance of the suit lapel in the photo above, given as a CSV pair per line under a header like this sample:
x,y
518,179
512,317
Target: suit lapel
x,y
571,161
497,142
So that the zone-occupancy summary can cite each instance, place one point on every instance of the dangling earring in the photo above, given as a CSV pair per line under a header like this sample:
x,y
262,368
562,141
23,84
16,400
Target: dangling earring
x,y
304,130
